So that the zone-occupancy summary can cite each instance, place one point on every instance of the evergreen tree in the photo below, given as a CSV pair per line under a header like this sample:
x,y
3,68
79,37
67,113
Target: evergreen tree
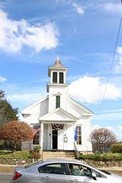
x,y
7,113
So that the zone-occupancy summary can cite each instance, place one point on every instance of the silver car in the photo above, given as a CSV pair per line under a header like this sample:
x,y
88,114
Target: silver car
x,y
62,171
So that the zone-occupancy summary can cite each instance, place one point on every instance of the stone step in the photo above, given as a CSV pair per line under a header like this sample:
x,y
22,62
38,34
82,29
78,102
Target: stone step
x,y
59,154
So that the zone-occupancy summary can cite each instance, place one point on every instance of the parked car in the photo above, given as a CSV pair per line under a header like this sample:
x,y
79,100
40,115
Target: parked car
x,y
62,171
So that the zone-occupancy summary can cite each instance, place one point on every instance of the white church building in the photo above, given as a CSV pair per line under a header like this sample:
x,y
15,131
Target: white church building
x,y
60,122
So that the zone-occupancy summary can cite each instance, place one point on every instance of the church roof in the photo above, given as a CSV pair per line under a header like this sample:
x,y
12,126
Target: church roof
x,y
28,109
59,115
81,106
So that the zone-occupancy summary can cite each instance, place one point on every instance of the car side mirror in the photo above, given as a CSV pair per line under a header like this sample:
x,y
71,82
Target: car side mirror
x,y
93,175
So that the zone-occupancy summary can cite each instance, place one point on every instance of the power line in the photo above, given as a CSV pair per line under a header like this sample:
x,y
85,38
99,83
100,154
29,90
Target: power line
x,y
112,61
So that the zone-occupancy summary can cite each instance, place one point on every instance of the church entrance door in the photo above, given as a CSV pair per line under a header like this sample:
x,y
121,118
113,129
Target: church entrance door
x,y
54,139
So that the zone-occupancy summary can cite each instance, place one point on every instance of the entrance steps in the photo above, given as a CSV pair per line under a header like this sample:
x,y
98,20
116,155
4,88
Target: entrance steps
x,y
59,154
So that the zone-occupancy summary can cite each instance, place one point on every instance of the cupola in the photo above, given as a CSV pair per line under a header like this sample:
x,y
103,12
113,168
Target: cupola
x,y
57,74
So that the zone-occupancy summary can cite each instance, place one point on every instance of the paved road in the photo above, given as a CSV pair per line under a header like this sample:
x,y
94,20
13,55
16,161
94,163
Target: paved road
x,y
5,178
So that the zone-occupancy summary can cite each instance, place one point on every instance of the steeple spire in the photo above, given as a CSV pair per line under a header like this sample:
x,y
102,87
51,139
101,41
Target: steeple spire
x,y
58,63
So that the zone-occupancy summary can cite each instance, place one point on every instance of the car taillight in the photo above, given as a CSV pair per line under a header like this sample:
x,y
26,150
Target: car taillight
x,y
17,175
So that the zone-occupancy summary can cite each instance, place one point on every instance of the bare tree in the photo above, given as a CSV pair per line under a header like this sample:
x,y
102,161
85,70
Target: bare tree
x,y
102,139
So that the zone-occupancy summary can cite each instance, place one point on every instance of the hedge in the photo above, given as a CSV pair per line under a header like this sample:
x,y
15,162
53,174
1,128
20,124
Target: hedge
x,y
116,148
14,155
18,157
102,157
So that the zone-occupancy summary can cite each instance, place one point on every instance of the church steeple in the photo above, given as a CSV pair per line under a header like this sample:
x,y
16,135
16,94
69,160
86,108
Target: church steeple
x,y
57,74
58,63
57,88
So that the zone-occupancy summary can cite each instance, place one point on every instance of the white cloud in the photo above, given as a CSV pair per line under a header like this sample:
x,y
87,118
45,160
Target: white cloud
x,y
120,128
16,34
2,79
119,50
24,97
78,8
96,126
117,130
118,65
91,89
113,7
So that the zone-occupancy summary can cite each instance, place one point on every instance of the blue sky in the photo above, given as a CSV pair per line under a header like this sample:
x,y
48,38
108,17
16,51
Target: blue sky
x,y
83,34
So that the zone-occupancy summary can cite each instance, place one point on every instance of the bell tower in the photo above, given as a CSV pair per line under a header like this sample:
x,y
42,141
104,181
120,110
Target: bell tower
x,y
57,87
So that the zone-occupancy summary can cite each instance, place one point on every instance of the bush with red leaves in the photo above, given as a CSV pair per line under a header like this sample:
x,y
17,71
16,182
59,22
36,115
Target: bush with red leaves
x,y
16,132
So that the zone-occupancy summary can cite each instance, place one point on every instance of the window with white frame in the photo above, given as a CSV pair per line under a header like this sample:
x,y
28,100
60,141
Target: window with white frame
x,y
79,135
54,77
57,101
61,77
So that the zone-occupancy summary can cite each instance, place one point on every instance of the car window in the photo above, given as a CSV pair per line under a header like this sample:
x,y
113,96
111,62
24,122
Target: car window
x,y
98,174
76,170
81,170
53,168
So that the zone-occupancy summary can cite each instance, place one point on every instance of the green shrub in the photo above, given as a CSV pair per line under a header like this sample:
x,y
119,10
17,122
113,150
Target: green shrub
x,y
102,157
37,148
18,157
15,155
34,155
116,148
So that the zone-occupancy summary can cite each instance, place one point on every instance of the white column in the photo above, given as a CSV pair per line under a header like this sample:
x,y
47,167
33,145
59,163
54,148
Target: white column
x,y
64,74
57,77
51,77
41,139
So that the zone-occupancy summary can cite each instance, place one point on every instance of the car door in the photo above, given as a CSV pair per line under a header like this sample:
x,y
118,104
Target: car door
x,y
54,173
83,174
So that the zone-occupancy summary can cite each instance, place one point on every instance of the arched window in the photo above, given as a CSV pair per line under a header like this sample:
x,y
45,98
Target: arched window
x,y
61,77
54,77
